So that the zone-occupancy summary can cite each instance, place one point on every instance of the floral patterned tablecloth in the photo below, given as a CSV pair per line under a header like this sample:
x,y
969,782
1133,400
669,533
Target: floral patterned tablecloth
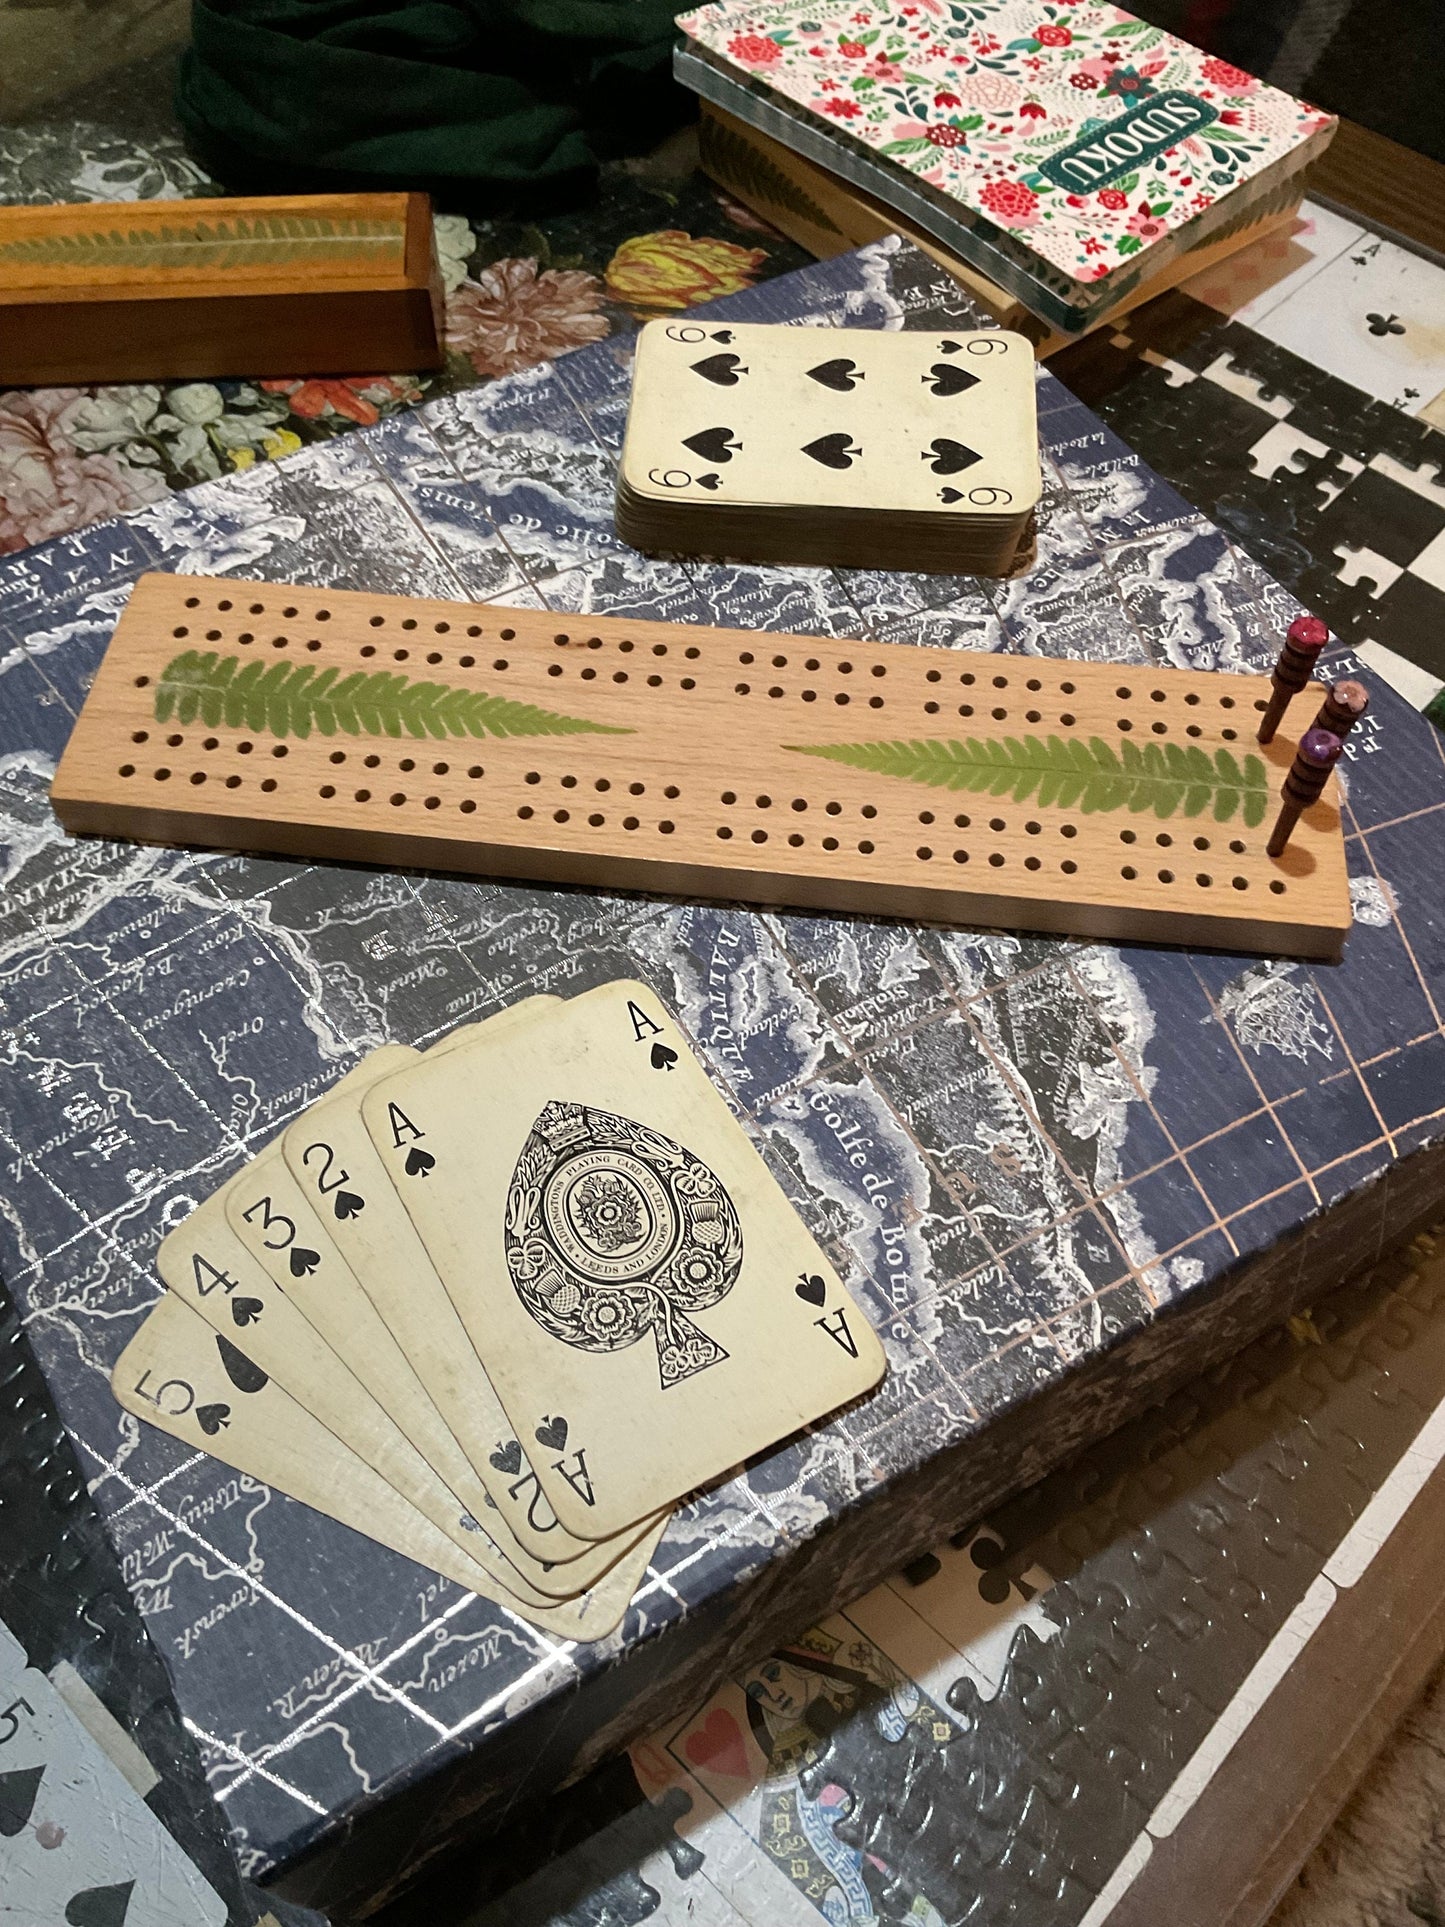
x,y
656,237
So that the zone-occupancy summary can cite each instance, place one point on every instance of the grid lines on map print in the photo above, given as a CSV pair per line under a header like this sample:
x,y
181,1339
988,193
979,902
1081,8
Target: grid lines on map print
x,y
1016,1148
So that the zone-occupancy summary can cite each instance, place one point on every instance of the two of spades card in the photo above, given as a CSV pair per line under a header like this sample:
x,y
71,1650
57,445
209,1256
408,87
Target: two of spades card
x,y
835,447
501,1304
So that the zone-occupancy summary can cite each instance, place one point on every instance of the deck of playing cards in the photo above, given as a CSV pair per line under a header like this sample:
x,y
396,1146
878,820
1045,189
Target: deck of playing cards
x,y
500,1304
836,448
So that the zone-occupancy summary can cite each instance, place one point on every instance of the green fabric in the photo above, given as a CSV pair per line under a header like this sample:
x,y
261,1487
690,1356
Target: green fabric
x,y
481,101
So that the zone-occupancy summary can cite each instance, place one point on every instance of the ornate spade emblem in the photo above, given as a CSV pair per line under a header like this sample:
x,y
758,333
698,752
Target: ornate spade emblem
x,y
613,1231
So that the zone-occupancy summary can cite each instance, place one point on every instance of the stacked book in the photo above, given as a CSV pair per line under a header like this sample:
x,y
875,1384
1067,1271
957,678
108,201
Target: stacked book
x,y
1072,159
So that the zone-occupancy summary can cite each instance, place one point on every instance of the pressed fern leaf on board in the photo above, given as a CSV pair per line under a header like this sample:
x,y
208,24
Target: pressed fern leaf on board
x,y
1071,773
293,699
243,241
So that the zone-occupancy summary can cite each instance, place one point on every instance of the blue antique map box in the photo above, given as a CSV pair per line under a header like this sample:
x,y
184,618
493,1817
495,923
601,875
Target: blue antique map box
x,y
1061,1176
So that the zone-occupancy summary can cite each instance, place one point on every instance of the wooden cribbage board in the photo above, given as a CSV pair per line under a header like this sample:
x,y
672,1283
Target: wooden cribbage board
x,y
696,770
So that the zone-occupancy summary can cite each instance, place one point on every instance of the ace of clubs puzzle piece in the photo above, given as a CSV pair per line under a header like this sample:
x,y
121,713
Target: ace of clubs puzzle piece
x,y
649,1307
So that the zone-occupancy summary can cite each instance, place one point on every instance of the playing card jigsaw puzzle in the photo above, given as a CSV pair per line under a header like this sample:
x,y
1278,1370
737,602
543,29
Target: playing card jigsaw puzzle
x,y
854,449
585,1298
78,1843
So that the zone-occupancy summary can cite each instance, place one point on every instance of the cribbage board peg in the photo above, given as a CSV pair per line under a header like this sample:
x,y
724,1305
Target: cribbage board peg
x,y
1303,641
1316,756
1344,705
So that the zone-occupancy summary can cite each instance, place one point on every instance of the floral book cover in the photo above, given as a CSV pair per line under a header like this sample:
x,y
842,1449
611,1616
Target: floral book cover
x,y
1076,138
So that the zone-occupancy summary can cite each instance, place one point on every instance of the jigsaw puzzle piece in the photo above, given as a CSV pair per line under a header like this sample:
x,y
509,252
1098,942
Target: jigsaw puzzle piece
x,y
1427,478
1332,411
1174,372
1378,518
1285,450
1363,568
1238,381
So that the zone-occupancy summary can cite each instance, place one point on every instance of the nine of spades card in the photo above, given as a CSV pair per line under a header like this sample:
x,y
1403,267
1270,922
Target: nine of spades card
x,y
854,449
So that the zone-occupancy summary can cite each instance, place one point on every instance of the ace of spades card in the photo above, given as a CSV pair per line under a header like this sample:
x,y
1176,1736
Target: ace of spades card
x,y
846,418
78,1844
330,1153
649,1307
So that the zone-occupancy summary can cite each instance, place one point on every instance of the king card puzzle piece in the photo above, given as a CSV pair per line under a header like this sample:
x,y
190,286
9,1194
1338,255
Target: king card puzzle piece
x,y
627,1305
850,448
1029,793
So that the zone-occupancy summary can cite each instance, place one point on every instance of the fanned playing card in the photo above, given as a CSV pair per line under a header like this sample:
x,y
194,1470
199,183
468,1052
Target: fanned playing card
x,y
329,1151
497,1305
650,1309
331,1157
276,1223
171,1375
204,1262
261,1335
